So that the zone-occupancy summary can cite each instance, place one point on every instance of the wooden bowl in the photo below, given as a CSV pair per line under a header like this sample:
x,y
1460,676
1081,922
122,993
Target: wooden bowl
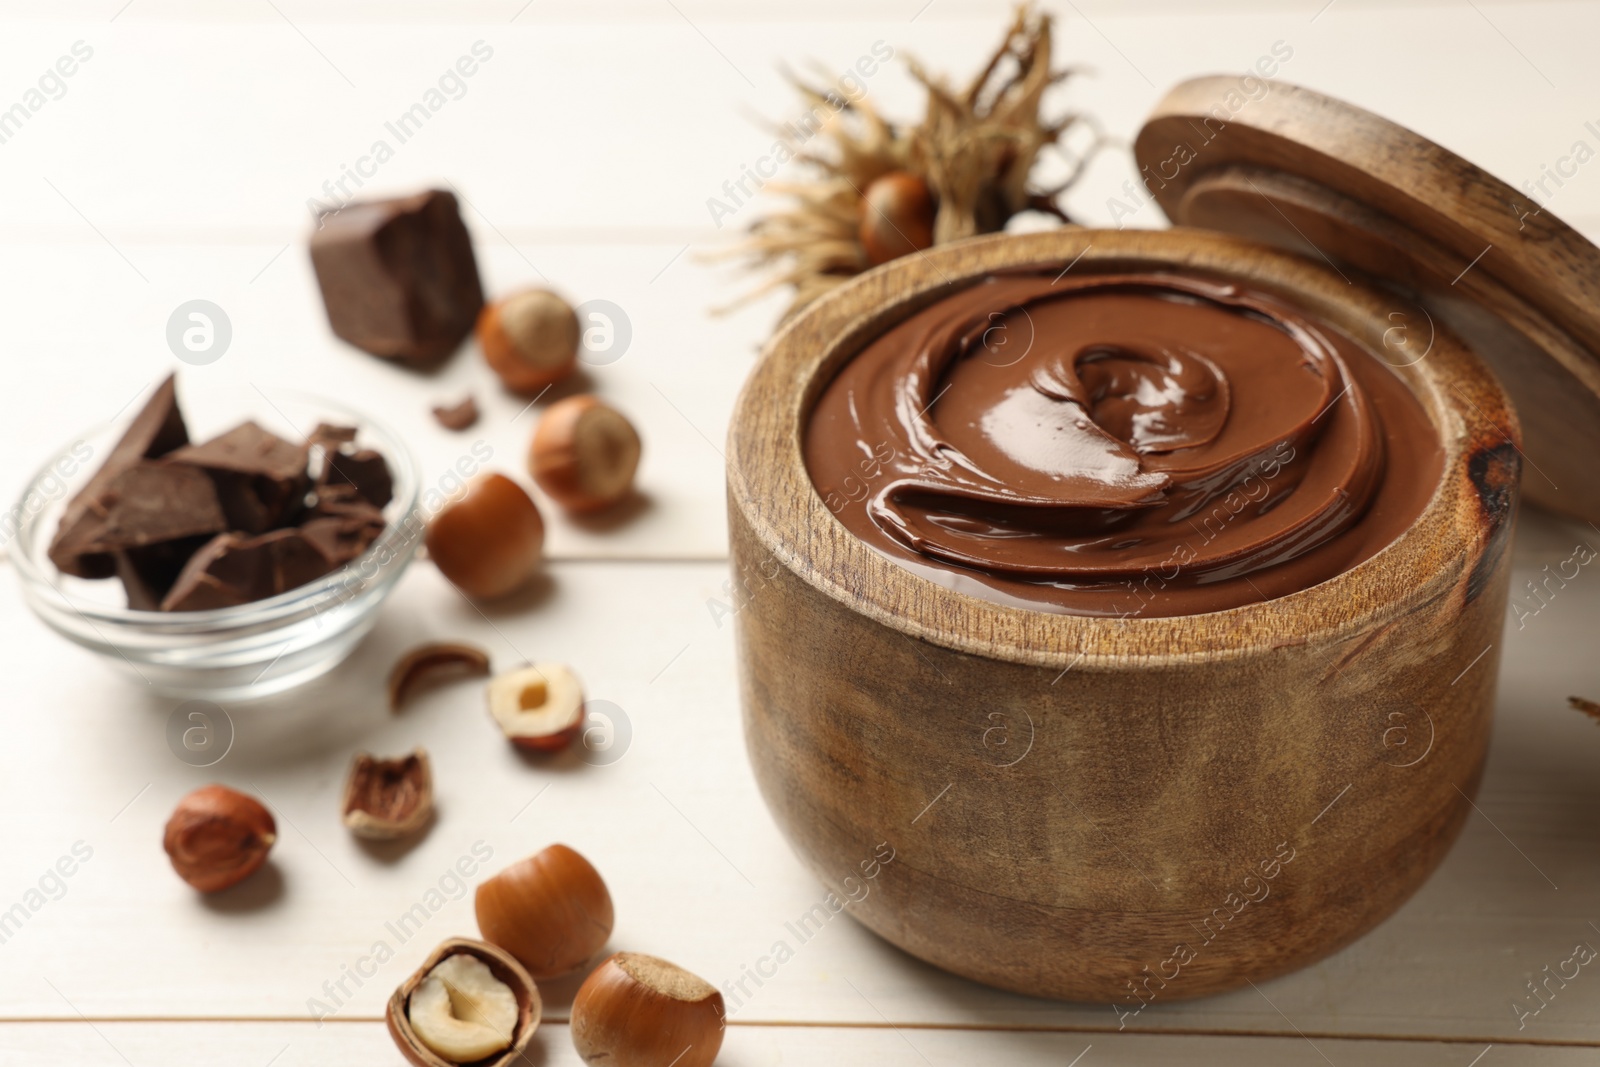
x,y
1126,810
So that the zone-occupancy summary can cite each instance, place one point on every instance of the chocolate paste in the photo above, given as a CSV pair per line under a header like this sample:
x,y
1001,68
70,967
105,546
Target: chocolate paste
x,y
1131,445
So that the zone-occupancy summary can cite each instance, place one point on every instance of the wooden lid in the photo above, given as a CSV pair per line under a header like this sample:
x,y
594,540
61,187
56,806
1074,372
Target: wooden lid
x,y
1302,171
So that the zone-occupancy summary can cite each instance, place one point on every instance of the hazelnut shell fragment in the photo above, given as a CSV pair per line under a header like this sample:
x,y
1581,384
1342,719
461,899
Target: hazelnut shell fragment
x,y
530,339
427,664
530,1009
640,1011
551,911
386,799
584,454
217,837
489,541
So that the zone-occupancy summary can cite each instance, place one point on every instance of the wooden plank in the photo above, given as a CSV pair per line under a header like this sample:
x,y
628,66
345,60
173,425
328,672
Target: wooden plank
x,y
252,1044
697,869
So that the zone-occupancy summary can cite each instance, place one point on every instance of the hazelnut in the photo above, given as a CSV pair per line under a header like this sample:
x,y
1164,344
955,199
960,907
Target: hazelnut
x,y
489,541
584,454
640,1011
551,911
218,837
538,707
469,1002
530,339
385,799
897,213
429,663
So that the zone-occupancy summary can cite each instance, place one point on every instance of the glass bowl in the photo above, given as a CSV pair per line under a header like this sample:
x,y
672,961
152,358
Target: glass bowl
x,y
234,653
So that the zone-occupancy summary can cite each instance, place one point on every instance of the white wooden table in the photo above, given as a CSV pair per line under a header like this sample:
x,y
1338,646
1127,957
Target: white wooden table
x,y
176,164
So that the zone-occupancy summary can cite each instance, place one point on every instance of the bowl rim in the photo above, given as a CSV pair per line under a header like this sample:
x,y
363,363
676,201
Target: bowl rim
x,y
398,539
771,492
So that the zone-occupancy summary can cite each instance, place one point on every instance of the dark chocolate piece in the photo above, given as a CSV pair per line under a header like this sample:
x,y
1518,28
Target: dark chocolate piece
x,y
247,449
261,478
148,573
341,540
398,276
329,437
255,504
459,417
146,504
156,430
226,571
342,501
366,470
230,570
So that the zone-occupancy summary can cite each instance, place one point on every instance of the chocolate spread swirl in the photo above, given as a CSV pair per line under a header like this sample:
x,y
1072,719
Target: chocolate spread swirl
x,y
1127,445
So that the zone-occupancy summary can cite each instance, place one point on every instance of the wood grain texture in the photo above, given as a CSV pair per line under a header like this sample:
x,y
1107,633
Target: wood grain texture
x,y
252,1044
1307,172
1177,771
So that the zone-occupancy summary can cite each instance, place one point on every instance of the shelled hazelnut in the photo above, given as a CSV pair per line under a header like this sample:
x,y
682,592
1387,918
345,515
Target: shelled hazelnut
x,y
469,1002
489,541
217,837
551,911
538,707
584,454
530,339
386,799
640,1011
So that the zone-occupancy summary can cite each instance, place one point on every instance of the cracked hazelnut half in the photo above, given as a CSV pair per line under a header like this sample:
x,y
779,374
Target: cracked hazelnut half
x,y
530,339
538,707
385,799
218,837
469,1002
551,911
640,1011
430,663
490,540
584,454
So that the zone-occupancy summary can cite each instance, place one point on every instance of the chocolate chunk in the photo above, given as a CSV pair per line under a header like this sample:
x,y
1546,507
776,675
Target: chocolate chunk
x,y
260,478
247,449
146,504
366,470
341,540
329,437
255,504
230,570
156,430
458,417
148,573
223,573
342,501
398,276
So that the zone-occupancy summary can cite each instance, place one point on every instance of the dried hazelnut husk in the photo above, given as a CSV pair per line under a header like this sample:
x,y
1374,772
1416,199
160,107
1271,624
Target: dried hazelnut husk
x,y
551,911
584,454
217,837
530,339
504,970
430,663
641,1011
897,213
490,540
386,799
